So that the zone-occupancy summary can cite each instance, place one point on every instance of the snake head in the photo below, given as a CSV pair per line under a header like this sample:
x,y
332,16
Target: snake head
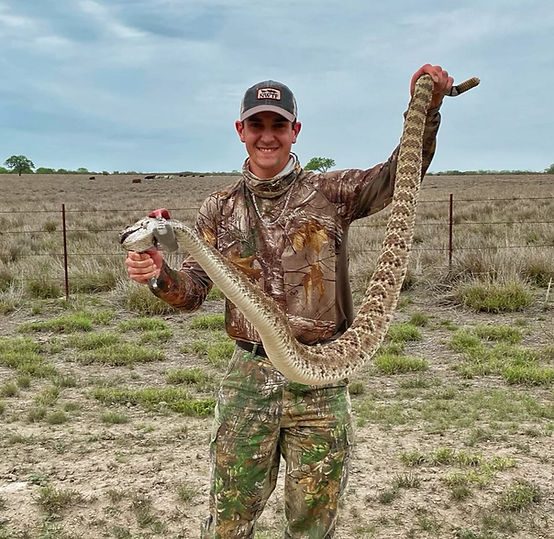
x,y
139,236
147,233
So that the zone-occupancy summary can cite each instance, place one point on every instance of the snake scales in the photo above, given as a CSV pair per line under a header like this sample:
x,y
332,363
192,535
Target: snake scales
x,y
319,364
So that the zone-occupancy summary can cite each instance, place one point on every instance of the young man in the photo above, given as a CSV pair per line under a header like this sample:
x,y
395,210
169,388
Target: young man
x,y
287,229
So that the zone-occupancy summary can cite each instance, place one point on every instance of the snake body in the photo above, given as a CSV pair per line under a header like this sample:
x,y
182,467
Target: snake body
x,y
320,364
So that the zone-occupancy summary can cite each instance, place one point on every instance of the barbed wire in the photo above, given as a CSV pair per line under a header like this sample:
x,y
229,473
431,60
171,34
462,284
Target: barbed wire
x,y
364,225
65,235
196,208
354,251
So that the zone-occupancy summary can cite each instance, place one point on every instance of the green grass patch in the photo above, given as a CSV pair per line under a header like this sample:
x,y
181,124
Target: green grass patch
x,y
22,355
454,409
139,299
36,414
53,501
65,380
518,496
215,294
406,481
102,316
6,279
48,396
208,321
393,364
528,374
495,297
9,389
500,333
23,381
391,348
419,319
157,336
194,376
467,409
446,456
143,510
176,399
215,346
386,414
220,352
43,288
103,280
198,347
515,364
121,354
93,341
403,332
186,493
56,417
68,323
114,418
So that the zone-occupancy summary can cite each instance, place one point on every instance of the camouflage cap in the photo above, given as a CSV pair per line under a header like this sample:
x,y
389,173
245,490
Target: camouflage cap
x,y
271,96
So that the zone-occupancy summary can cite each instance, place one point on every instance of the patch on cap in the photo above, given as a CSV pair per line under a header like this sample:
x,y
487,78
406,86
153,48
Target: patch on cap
x,y
269,93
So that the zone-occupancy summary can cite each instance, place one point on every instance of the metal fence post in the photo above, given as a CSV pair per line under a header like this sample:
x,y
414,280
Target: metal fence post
x,y
66,273
450,231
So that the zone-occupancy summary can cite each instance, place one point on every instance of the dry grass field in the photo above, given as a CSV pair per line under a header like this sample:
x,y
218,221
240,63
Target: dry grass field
x,y
106,399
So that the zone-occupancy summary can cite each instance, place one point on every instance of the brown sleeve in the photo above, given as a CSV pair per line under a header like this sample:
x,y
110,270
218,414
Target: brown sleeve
x,y
364,192
188,287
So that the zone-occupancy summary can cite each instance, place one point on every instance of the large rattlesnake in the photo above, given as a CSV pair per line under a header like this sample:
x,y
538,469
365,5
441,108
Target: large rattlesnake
x,y
319,364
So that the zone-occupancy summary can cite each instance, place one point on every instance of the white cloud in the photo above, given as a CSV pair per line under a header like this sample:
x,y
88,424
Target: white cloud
x,y
179,69
107,20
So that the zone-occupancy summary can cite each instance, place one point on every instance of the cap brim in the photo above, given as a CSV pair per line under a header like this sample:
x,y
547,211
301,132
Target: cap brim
x,y
267,108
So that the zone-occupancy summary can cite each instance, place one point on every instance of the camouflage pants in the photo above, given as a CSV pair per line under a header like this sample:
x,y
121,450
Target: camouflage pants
x,y
260,416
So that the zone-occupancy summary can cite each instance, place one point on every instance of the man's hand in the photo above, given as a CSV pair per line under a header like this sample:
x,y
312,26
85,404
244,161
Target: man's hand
x,y
442,83
141,267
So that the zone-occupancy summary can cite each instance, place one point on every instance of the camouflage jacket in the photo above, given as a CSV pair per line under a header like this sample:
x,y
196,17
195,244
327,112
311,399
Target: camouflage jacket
x,y
293,245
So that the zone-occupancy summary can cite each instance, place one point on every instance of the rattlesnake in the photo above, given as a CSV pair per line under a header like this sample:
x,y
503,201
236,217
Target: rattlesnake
x,y
319,364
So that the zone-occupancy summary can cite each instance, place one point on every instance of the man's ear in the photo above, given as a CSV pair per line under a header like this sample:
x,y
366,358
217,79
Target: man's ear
x,y
239,127
296,127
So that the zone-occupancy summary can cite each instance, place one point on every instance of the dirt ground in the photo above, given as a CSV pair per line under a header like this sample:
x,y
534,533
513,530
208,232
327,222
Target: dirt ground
x,y
115,468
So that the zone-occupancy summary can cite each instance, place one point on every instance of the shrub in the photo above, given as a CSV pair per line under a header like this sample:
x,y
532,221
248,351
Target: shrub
x,y
43,288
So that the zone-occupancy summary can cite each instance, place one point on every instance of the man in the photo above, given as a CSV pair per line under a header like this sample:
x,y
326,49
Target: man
x,y
287,229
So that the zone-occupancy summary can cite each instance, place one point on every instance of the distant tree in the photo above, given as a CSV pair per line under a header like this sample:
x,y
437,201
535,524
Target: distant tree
x,y
20,164
550,169
4,170
82,170
45,170
321,164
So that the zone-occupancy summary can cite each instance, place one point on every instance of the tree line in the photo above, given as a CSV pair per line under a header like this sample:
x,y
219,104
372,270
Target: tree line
x,y
21,164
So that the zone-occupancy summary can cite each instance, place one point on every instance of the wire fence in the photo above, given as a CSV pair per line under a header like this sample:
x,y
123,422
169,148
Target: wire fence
x,y
65,225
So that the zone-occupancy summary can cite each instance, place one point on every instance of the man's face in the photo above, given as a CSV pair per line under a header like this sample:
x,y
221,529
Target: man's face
x,y
268,138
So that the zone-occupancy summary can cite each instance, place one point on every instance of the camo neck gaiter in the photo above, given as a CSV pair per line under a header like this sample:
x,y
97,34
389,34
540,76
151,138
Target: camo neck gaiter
x,y
272,187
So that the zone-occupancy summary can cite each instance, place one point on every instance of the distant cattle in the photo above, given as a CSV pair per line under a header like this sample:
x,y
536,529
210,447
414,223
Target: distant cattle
x,y
92,178
150,177
136,180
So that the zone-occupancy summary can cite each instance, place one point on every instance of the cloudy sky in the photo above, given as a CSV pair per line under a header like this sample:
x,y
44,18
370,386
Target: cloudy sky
x,y
155,85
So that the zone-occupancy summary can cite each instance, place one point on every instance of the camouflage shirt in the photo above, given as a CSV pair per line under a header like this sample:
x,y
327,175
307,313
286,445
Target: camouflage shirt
x,y
293,245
